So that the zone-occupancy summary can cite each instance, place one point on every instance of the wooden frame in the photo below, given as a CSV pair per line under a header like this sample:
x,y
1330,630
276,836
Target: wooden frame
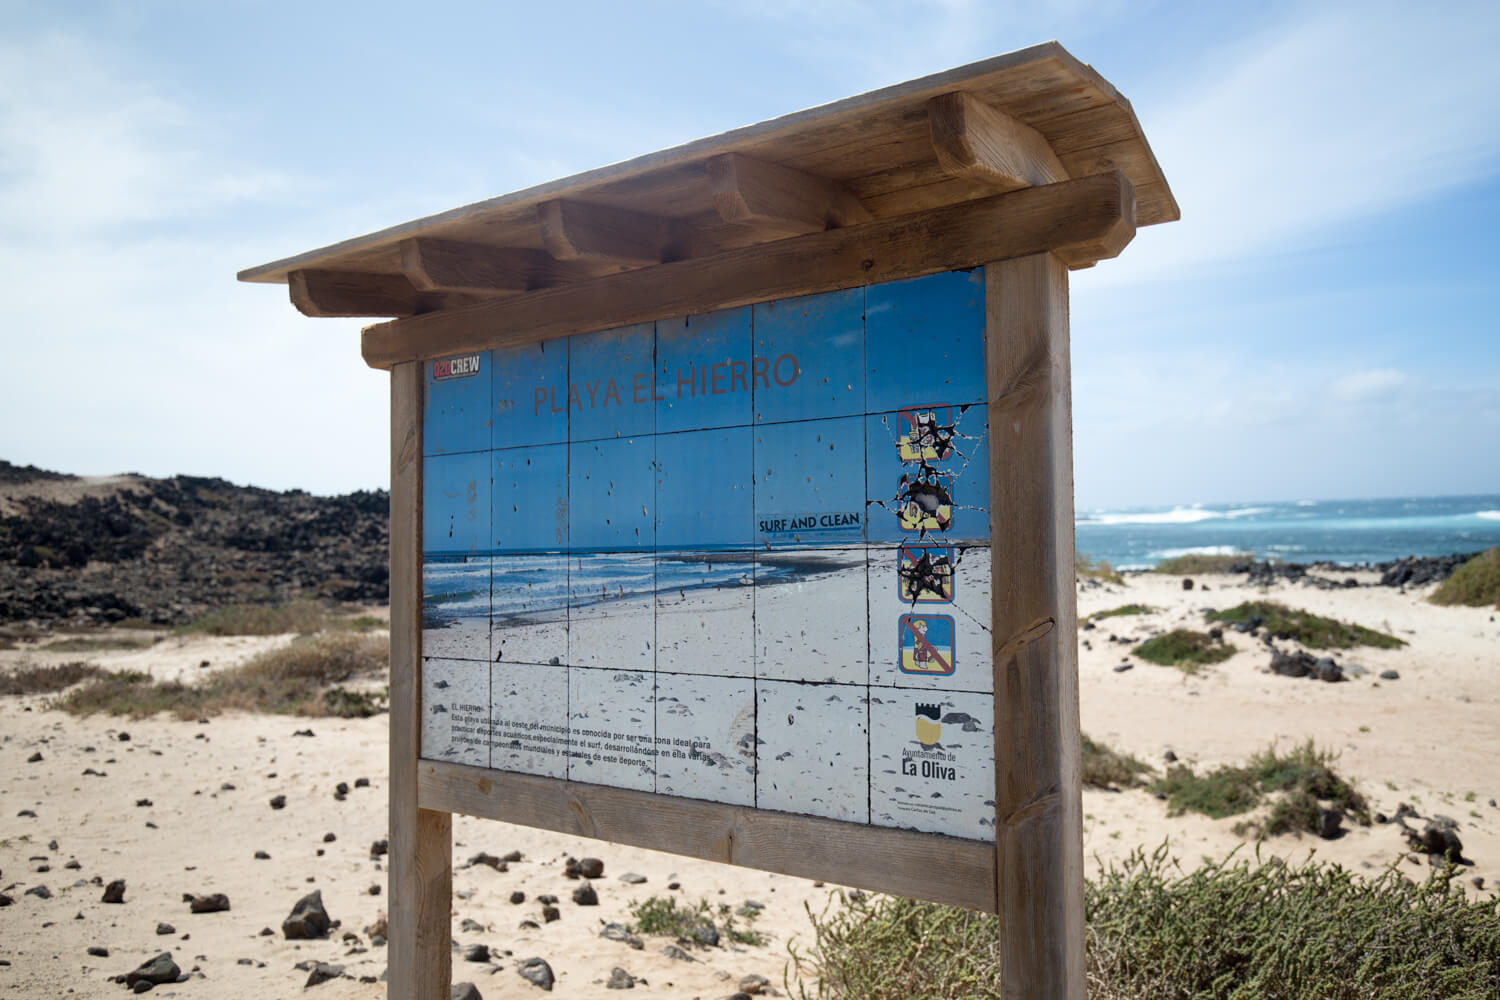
x,y
1029,165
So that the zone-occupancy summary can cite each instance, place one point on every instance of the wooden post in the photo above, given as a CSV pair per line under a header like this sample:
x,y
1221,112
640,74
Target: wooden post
x,y
421,840
1038,805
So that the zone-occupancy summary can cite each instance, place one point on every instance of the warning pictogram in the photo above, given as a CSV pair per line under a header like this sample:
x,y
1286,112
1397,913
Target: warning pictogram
x,y
924,500
926,644
925,573
925,435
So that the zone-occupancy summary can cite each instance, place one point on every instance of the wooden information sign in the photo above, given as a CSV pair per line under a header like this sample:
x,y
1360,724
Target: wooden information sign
x,y
732,503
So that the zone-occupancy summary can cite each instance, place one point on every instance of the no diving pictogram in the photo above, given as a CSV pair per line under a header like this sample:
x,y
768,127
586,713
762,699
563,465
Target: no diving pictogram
x,y
926,645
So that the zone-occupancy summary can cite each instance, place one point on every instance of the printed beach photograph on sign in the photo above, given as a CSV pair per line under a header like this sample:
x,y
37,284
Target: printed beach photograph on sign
x,y
710,556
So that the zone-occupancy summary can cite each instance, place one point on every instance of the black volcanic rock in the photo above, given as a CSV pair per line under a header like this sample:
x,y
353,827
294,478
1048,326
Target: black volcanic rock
x,y
169,550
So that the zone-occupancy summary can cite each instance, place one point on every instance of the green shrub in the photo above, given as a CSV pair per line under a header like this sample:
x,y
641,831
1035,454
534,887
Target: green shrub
x,y
1124,609
1230,930
1313,631
1106,768
663,916
1476,583
1185,649
1300,781
1195,563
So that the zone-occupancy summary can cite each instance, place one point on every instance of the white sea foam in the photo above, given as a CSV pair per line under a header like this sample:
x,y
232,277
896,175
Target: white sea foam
x,y
1177,515
1488,515
1196,550
1307,503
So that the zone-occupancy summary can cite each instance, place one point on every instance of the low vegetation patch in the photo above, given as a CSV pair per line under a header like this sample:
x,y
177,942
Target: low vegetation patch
x,y
1313,631
702,924
306,677
1106,768
27,679
300,617
99,643
1089,568
1125,609
1230,930
1191,563
1300,783
1184,649
1476,583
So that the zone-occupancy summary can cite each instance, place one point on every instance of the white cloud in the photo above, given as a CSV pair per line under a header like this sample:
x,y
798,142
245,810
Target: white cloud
x,y
86,146
1366,386
1322,119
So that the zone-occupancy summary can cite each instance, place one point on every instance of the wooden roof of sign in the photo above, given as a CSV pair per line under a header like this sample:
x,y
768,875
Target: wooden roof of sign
x,y
1030,118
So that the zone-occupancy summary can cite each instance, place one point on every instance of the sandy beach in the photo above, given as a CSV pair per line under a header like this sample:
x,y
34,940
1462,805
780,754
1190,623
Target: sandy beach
x,y
176,808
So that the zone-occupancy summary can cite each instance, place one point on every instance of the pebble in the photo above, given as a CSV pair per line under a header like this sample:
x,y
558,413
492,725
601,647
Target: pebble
x,y
278,802
35,758
754,983
98,952
477,953
308,918
632,878
213,903
672,951
619,979
1120,668
153,972
40,892
585,895
321,972
329,838
361,782
262,856
465,991
518,897
551,913
164,929
471,926
590,867
115,891
1389,675
537,972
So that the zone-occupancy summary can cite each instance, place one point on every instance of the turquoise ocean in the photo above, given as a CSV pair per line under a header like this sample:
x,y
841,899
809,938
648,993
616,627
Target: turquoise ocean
x,y
1300,531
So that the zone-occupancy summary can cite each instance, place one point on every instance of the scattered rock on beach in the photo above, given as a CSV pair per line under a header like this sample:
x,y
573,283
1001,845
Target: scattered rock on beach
x,y
590,867
517,897
537,972
632,878
1390,675
321,972
618,932
39,891
550,913
214,903
477,953
155,971
278,802
1329,821
163,929
308,918
672,951
465,991
754,983
619,979
114,892
585,895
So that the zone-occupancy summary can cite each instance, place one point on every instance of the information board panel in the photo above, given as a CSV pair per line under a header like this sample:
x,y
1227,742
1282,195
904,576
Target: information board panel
x,y
741,557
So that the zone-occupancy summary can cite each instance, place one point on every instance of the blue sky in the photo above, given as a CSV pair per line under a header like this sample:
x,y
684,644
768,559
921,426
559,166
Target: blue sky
x,y
1320,324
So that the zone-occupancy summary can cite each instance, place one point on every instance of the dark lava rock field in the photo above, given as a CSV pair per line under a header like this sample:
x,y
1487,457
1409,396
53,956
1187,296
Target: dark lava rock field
x,y
165,551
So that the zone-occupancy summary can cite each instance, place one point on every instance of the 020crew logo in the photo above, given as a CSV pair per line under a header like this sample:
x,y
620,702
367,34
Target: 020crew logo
x,y
445,369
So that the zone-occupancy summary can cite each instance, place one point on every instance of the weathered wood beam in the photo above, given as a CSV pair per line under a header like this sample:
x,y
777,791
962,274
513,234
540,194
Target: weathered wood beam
x,y
923,865
975,141
779,199
356,293
1088,219
350,293
573,230
452,266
